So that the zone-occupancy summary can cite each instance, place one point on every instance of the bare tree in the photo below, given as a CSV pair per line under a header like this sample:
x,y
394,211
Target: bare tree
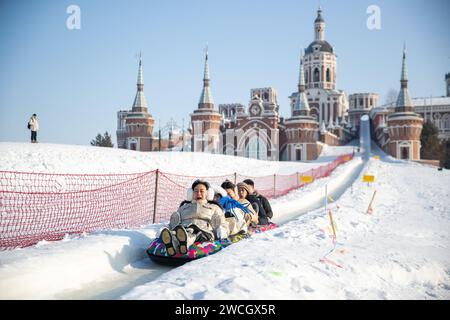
x,y
391,96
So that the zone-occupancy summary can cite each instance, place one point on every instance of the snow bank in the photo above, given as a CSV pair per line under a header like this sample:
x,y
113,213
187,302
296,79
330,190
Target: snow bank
x,y
49,269
58,158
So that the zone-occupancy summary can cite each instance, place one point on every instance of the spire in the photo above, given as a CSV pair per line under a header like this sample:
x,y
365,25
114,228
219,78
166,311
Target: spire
x,y
206,73
206,99
140,80
319,15
330,123
404,76
404,102
319,26
301,107
140,103
301,77
323,129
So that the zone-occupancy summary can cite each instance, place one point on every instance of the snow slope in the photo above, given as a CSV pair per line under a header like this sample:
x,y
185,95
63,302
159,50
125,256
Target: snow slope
x,y
59,158
112,259
400,251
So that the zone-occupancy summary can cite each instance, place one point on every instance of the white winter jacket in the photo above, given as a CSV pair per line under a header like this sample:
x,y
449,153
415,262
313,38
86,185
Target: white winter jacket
x,y
34,124
208,217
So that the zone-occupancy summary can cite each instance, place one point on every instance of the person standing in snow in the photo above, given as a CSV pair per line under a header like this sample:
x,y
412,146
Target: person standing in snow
x,y
199,220
263,200
33,125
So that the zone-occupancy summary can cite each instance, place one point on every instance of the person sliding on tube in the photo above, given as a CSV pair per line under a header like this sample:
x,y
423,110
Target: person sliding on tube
x,y
256,199
235,212
197,221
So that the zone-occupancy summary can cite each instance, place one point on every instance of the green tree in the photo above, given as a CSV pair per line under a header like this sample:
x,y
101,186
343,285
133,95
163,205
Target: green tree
x,y
102,141
431,146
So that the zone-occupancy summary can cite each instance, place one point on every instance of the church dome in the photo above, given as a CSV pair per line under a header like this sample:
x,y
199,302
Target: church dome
x,y
321,45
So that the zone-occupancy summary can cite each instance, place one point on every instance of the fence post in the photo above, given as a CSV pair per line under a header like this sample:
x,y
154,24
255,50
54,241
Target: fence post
x,y
235,178
274,184
156,195
298,178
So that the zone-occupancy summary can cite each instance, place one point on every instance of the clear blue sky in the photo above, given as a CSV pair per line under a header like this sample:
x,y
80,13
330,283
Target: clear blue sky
x,y
77,80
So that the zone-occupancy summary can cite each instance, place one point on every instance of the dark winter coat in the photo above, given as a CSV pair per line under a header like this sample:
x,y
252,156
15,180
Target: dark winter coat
x,y
266,205
262,216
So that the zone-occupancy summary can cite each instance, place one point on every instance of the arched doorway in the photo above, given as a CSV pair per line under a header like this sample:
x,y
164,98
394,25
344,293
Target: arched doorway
x,y
404,151
298,152
256,148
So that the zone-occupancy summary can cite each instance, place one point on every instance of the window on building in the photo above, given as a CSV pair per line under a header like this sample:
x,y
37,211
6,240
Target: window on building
x,y
404,152
328,75
298,154
316,75
256,148
445,122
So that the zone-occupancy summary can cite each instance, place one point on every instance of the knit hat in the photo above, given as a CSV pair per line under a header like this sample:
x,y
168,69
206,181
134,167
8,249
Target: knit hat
x,y
249,182
243,185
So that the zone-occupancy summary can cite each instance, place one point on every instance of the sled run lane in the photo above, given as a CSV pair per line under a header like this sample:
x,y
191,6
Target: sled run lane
x,y
108,264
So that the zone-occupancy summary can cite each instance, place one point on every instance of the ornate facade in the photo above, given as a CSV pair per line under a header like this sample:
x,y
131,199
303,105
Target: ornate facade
x,y
359,105
327,104
258,132
319,114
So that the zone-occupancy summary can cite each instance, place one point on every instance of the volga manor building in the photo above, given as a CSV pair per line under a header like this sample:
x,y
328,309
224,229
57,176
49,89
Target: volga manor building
x,y
320,114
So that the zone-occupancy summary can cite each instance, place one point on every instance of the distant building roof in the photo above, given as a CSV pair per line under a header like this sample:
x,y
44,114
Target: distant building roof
x,y
323,46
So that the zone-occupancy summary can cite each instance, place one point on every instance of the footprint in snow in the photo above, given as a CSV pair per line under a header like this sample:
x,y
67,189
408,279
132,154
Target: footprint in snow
x,y
308,289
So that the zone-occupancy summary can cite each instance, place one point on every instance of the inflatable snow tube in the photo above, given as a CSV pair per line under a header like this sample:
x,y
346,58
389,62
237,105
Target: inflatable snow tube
x,y
157,250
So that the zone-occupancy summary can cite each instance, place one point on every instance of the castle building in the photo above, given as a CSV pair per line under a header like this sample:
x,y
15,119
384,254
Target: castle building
x,y
319,114
258,132
327,104
253,133
359,105
301,129
206,120
404,126
432,109
135,127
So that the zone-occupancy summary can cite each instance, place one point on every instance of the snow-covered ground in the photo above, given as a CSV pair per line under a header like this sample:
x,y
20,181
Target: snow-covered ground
x,y
400,251
59,158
